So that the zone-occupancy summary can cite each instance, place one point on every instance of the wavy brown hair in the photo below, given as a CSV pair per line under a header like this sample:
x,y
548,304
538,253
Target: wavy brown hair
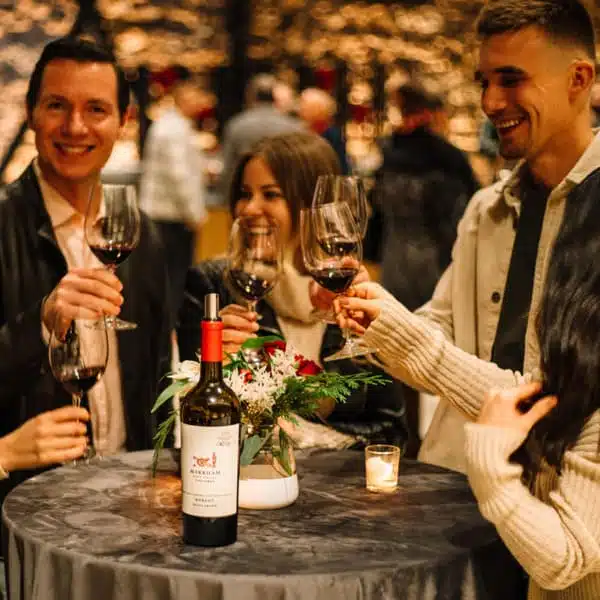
x,y
296,161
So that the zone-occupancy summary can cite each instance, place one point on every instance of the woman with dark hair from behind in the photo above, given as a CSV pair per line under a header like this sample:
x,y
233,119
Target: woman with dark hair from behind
x,y
548,511
533,452
277,179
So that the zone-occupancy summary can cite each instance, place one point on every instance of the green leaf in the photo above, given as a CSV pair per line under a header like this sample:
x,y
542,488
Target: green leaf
x,y
250,449
284,456
259,342
168,393
160,437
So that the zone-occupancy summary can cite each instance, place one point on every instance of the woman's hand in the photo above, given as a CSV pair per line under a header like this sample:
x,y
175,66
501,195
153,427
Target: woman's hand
x,y
510,408
322,299
360,307
52,437
239,324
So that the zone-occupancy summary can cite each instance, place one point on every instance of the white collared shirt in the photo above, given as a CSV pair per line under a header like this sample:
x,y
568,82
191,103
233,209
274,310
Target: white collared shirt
x,y
105,398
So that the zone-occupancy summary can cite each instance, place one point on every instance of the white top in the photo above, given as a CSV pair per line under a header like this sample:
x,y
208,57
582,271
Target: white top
x,y
172,186
105,398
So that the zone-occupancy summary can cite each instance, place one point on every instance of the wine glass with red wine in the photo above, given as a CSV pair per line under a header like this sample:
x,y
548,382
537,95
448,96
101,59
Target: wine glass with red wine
x,y
112,230
350,190
332,253
78,357
254,258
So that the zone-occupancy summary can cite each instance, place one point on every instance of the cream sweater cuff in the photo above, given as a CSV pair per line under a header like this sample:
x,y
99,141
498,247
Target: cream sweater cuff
x,y
412,348
495,481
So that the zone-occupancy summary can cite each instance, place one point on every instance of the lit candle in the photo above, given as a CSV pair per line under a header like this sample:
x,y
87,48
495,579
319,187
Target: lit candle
x,y
380,474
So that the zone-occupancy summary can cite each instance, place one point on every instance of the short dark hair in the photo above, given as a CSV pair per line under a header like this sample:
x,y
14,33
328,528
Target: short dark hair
x,y
414,99
562,20
82,51
261,88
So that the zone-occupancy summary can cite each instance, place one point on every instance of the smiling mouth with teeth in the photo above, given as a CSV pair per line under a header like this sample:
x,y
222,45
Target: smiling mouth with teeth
x,y
507,125
73,150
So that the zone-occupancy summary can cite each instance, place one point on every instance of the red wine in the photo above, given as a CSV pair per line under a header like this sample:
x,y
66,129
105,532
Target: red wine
x,y
334,279
249,286
337,245
80,380
113,254
210,445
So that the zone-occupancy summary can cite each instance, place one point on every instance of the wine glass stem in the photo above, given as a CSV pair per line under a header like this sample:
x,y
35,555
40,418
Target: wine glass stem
x,y
77,397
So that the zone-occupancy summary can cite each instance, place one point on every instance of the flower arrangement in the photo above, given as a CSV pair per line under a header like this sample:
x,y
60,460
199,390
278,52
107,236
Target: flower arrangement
x,y
283,384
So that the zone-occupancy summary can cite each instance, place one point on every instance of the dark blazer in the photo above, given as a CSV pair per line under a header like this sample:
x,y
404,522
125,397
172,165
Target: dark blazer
x,y
31,264
373,414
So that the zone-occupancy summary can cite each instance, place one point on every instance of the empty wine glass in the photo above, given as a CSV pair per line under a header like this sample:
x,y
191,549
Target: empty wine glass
x,y
344,188
332,254
78,355
254,258
112,230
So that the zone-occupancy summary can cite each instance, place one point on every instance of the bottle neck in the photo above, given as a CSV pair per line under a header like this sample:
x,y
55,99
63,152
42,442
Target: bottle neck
x,y
211,371
212,351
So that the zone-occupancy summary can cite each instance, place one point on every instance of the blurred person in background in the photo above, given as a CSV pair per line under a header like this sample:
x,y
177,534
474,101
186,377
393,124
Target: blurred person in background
x,y
265,115
277,179
172,190
419,196
317,109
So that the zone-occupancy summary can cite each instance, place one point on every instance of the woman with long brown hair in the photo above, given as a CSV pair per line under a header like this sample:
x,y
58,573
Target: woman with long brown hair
x,y
277,179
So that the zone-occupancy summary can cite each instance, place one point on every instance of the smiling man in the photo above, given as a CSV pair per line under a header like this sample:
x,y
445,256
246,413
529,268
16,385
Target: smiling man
x,y
536,71
76,105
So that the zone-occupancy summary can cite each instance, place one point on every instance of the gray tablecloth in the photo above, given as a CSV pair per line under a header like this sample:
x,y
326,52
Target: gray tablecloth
x,y
109,531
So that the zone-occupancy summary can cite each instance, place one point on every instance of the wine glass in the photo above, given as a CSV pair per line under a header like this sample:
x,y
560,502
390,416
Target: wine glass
x,y
254,258
78,355
112,231
336,189
332,254
344,188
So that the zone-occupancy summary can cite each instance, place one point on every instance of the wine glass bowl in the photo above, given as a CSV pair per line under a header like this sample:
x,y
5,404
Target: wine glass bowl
x,y
78,356
254,258
344,188
332,254
112,230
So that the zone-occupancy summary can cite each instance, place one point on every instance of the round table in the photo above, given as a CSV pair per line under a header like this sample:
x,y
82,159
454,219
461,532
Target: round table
x,y
108,531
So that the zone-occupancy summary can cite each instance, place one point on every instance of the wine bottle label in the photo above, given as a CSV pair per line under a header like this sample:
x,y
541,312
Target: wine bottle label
x,y
209,470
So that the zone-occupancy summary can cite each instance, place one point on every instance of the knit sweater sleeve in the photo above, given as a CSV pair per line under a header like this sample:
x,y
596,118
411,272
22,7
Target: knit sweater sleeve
x,y
418,353
557,541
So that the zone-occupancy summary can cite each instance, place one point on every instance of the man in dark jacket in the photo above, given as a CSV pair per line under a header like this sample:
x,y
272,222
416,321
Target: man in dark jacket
x,y
420,193
76,106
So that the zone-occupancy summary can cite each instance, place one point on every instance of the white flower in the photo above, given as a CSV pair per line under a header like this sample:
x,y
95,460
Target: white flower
x,y
259,395
187,370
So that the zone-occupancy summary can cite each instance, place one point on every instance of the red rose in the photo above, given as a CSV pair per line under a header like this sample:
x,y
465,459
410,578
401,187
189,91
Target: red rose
x,y
247,375
270,347
308,367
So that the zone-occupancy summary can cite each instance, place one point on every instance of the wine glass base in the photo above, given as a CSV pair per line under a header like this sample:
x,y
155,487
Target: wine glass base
x,y
350,350
117,324
327,316
121,325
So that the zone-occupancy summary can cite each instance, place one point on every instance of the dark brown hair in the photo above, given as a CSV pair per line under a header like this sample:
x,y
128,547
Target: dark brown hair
x,y
296,161
81,51
566,21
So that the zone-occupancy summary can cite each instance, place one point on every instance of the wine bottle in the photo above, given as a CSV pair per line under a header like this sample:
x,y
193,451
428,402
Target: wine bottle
x,y
210,444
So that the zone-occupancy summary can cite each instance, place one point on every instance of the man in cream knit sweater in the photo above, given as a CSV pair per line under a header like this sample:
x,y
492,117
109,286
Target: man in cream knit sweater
x,y
536,69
